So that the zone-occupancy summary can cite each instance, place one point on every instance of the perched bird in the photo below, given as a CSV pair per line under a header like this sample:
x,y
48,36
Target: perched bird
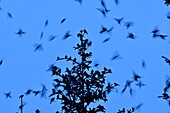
x,y
46,23
119,20
67,34
20,32
8,95
63,20
38,47
9,15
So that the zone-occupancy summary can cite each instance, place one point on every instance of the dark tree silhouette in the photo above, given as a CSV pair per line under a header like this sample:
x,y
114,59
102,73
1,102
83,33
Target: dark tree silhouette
x,y
80,85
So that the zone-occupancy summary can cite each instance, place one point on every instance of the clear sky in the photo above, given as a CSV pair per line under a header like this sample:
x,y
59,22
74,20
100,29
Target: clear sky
x,y
23,68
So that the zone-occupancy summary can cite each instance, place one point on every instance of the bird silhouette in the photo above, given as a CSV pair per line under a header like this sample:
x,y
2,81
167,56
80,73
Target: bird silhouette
x,y
38,47
119,20
103,11
117,2
63,20
166,60
8,95
131,35
138,106
46,23
128,24
143,64
107,39
36,92
1,61
67,34
41,35
51,37
9,15
20,32
103,30
28,91
140,84
136,77
116,56
80,1
37,111
167,2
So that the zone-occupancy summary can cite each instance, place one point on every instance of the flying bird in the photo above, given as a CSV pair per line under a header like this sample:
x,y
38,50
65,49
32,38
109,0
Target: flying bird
x,y
167,2
28,91
80,1
67,34
9,15
63,20
46,23
143,64
119,20
37,111
42,33
131,35
107,39
117,2
8,95
128,24
166,60
1,61
103,11
20,32
51,37
140,84
38,47
115,56
103,30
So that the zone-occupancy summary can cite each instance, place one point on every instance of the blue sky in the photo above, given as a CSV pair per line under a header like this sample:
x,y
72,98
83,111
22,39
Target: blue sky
x,y
23,68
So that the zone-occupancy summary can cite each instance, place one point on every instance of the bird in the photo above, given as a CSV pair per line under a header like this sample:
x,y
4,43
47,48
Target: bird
x,y
143,64
63,20
20,32
36,92
28,91
102,11
67,34
80,1
115,56
166,60
103,30
51,37
41,35
117,2
8,95
140,84
128,24
119,20
1,61
131,35
21,96
38,47
46,23
167,2
138,106
37,111
9,15
107,39
136,77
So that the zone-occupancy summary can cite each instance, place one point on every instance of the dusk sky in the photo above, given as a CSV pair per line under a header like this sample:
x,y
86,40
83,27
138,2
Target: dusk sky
x,y
25,68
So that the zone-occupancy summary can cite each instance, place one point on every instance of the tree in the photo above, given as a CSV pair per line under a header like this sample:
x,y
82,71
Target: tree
x,y
80,85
